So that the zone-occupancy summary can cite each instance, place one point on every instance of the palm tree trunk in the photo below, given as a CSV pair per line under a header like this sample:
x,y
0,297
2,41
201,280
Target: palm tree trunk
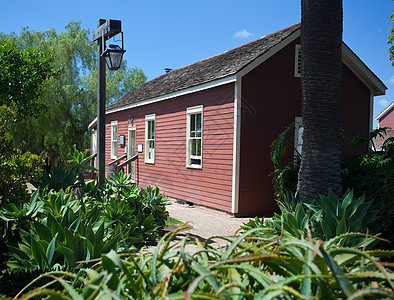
x,y
321,81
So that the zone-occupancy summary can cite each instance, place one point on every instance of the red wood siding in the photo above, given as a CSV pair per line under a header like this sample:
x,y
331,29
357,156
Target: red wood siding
x,y
355,110
388,119
271,99
272,96
210,186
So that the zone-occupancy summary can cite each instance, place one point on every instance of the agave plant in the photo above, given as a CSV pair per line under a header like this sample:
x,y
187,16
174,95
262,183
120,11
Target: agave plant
x,y
249,267
79,164
59,178
64,238
327,217
118,184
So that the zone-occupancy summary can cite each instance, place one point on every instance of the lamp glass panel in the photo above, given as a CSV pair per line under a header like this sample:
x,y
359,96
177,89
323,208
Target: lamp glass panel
x,y
116,58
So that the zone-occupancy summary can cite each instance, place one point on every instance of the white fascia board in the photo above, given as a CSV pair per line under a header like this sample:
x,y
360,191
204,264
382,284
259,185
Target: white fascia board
x,y
92,124
269,53
355,64
194,89
236,146
385,111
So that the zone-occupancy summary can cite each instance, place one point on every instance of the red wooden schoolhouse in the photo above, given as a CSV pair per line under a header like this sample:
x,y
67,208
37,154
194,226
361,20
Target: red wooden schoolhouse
x,y
202,132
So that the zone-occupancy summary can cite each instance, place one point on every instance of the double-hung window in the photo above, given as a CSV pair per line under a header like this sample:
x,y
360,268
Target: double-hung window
x,y
114,139
150,138
194,137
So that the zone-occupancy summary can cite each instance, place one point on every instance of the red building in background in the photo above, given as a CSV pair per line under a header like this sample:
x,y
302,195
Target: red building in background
x,y
385,119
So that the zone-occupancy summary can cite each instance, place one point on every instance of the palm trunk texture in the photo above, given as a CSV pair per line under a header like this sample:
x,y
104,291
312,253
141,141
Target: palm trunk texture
x,y
321,81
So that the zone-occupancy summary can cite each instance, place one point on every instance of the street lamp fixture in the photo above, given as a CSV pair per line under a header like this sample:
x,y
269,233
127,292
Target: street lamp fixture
x,y
112,55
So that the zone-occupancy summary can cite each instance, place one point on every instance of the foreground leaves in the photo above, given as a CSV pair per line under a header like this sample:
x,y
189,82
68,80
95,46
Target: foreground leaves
x,y
250,266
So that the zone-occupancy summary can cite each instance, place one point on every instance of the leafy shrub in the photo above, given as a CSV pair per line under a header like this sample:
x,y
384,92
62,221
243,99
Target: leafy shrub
x,y
59,231
370,174
286,166
249,267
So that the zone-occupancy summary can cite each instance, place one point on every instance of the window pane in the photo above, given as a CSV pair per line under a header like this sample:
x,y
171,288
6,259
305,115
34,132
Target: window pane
x,y
192,123
115,148
198,122
151,149
194,152
149,129
114,132
153,129
196,161
198,147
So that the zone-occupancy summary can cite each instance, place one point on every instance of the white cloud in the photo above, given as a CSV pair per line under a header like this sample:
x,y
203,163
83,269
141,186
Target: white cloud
x,y
383,102
243,34
391,80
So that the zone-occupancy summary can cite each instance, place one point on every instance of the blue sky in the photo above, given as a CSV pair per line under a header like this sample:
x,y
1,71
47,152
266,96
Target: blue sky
x,y
173,33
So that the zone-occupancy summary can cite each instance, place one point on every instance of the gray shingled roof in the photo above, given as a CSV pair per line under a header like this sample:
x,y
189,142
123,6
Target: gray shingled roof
x,y
213,68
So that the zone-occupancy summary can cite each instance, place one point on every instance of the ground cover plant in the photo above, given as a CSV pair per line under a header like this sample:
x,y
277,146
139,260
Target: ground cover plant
x,y
60,228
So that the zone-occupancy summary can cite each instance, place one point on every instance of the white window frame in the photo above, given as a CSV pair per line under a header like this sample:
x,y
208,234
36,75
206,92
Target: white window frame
x,y
193,111
297,61
298,136
148,148
114,140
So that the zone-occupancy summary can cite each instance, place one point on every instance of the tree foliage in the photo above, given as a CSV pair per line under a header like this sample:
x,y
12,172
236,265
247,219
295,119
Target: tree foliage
x,y
390,39
70,97
22,76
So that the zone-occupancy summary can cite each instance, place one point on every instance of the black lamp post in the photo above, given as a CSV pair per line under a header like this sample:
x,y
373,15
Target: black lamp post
x,y
112,55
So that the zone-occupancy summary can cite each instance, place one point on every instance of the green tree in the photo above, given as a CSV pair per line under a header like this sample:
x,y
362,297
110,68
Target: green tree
x,y
321,80
22,76
118,83
70,97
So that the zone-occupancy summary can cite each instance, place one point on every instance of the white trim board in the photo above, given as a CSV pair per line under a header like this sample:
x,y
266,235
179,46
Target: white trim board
x,y
93,124
236,146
